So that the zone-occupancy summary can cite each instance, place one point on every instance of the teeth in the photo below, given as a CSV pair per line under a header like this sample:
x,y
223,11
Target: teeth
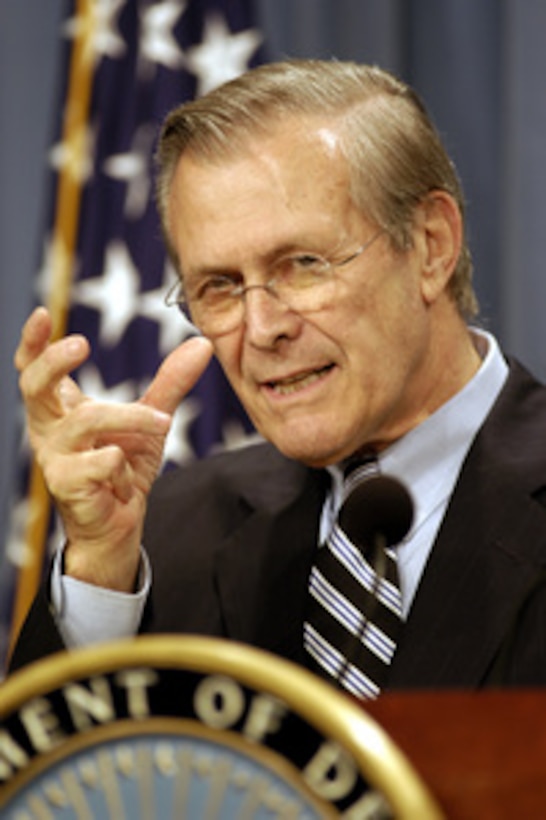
x,y
295,383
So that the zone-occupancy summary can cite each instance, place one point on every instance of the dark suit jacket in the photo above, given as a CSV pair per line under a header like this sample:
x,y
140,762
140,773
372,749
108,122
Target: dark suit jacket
x,y
232,539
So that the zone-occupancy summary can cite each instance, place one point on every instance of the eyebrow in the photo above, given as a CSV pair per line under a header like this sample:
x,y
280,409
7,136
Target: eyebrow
x,y
265,260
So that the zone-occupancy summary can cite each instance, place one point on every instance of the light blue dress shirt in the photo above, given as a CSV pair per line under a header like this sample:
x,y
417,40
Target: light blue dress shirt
x,y
427,460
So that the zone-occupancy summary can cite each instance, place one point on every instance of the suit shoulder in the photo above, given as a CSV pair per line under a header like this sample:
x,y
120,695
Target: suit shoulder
x,y
512,436
257,472
521,403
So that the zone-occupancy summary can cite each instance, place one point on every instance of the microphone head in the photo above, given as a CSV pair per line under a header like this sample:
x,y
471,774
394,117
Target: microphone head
x,y
379,507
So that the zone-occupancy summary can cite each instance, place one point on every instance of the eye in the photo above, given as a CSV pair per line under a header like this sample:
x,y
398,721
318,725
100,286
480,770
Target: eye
x,y
306,261
302,270
214,287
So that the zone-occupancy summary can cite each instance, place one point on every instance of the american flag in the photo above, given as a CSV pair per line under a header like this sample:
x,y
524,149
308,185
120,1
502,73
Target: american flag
x,y
104,271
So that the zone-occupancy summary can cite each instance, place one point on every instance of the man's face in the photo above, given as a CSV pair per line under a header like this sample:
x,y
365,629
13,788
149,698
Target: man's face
x,y
322,384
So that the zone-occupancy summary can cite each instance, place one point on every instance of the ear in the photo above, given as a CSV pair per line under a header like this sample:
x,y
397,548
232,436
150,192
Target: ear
x,y
440,228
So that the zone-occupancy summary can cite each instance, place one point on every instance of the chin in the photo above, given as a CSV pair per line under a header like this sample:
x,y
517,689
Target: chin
x,y
313,451
315,439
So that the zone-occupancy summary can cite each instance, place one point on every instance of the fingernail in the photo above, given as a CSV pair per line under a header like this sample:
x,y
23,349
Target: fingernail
x,y
73,345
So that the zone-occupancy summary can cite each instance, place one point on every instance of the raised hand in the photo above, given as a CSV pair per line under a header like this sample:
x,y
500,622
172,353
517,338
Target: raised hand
x,y
99,460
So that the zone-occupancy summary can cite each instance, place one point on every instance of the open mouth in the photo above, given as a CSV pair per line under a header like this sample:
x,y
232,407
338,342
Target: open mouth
x,y
284,387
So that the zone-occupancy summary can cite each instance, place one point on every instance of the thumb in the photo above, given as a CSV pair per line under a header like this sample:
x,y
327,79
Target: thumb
x,y
178,374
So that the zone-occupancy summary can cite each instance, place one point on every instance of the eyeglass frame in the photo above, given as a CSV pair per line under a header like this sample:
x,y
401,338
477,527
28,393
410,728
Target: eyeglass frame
x,y
240,290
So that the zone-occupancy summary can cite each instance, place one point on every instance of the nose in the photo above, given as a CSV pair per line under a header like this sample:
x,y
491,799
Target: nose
x,y
267,318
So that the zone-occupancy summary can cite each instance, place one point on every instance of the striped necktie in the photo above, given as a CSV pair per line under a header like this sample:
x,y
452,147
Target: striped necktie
x,y
354,606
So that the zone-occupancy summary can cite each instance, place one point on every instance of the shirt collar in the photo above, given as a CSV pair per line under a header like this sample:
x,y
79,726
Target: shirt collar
x,y
428,458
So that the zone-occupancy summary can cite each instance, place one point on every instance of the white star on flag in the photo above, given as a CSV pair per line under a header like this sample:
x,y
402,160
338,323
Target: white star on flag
x,y
173,326
114,293
76,156
92,384
157,41
222,55
133,168
99,26
178,449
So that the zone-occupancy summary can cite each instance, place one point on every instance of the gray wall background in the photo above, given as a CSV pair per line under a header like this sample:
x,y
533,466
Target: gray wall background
x,y
479,64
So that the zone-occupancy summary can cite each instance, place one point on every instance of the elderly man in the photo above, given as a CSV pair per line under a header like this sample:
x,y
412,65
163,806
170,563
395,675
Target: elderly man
x,y
317,226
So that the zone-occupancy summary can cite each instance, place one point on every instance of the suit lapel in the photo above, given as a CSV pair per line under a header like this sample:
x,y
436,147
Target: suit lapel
x,y
489,552
263,568
478,575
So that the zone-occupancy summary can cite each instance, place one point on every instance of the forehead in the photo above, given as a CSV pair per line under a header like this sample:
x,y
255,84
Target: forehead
x,y
279,188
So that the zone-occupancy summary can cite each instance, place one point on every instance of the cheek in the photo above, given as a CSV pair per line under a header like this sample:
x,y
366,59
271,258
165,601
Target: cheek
x,y
229,353
395,305
384,328
226,350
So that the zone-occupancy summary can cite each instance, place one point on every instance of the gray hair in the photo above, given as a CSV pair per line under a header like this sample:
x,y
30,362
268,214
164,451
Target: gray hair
x,y
394,153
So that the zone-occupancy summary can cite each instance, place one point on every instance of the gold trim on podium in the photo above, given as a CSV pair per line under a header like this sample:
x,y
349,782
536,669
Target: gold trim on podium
x,y
333,714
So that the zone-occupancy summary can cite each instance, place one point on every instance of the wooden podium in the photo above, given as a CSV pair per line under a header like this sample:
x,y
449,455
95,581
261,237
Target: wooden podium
x,y
482,754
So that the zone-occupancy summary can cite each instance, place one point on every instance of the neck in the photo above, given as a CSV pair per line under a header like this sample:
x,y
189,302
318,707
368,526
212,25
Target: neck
x,y
451,363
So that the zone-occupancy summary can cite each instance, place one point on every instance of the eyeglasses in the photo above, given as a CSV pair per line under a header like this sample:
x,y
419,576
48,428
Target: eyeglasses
x,y
303,282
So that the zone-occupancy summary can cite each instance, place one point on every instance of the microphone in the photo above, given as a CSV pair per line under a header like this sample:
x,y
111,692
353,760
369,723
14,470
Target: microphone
x,y
377,514
379,511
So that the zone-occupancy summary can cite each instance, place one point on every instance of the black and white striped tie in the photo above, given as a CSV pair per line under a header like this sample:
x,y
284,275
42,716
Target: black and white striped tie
x,y
354,612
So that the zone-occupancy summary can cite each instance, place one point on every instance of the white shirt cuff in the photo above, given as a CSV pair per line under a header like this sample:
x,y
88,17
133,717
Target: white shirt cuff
x,y
87,614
